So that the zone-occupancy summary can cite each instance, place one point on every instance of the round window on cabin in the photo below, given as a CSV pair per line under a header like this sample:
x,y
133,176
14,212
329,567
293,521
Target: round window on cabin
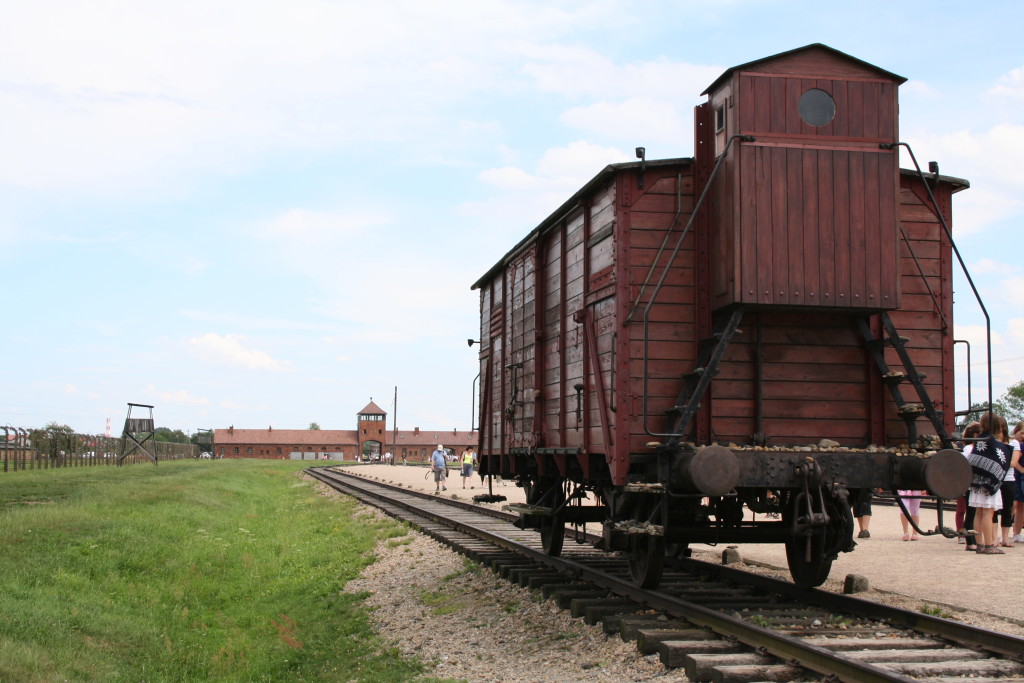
x,y
817,108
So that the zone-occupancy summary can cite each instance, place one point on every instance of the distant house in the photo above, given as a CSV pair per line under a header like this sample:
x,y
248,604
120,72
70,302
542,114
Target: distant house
x,y
371,438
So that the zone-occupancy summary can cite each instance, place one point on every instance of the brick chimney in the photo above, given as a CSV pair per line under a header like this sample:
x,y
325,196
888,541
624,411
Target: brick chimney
x,y
417,431
231,430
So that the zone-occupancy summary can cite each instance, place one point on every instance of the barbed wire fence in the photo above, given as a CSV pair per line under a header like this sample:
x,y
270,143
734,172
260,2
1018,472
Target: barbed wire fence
x,y
37,449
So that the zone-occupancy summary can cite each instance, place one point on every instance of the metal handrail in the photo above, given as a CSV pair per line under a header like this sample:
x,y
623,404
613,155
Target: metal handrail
x,y
959,258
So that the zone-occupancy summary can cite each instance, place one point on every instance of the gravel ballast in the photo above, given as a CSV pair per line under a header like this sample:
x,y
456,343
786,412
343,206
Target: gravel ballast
x,y
465,622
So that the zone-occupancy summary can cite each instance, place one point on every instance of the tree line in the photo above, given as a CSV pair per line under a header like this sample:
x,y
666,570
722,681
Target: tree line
x,y
1010,405
164,434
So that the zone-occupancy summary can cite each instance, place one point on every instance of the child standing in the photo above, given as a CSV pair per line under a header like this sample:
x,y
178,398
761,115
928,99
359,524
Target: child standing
x,y
988,459
913,504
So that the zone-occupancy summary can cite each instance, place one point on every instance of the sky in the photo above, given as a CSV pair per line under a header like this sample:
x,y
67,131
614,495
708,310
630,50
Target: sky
x,y
269,213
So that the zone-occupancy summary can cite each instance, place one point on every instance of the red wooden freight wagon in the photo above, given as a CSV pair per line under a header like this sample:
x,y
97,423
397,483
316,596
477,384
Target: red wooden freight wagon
x,y
765,325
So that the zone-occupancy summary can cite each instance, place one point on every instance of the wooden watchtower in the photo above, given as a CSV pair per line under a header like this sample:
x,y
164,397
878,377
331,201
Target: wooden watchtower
x,y
137,430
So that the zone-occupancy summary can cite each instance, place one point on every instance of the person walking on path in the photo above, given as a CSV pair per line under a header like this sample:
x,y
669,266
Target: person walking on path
x,y
468,460
439,465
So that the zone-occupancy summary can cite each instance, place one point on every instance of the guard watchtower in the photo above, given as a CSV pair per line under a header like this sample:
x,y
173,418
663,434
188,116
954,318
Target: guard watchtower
x,y
138,430
204,438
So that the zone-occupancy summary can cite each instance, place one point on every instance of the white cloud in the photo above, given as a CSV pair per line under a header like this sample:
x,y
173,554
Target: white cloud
x,y
508,178
1010,85
578,162
235,407
229,351
321,228
658,120
180,397
562,169
1015,331
528,196
231,319
577,72
975,334
92,102
918,88
989,160
993,266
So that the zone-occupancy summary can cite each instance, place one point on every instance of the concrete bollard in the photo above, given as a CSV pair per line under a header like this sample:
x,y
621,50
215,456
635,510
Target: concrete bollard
x,y
855,583
731,555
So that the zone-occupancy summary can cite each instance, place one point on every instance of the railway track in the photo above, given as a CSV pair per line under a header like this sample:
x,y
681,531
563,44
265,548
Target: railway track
x,y
718,623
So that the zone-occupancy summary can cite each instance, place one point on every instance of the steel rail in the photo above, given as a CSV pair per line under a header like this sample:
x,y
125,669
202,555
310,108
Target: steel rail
x,y
998,643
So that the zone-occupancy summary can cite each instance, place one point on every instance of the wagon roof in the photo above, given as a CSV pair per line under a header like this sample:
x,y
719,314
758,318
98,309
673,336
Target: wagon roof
x,y
813,46
570,204
957,183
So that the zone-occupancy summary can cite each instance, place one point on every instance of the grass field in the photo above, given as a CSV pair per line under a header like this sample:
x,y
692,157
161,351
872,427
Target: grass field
x,y
226,570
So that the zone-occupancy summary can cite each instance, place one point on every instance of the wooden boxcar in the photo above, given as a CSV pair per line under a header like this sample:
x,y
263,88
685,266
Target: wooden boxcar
x,y
725,348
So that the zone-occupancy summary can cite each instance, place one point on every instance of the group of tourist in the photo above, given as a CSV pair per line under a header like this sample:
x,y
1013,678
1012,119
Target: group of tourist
x,y
997,487
467,464
439,466
990,514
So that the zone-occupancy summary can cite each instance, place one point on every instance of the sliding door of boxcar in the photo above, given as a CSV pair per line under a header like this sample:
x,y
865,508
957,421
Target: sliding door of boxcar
x,y
513,366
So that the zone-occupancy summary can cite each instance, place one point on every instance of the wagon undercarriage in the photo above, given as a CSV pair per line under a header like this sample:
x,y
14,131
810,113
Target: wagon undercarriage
x,y
799,498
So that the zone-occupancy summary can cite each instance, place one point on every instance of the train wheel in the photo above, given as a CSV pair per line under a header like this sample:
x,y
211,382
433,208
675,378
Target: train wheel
x,y
646,560
552,535
809,557
808,573
551,527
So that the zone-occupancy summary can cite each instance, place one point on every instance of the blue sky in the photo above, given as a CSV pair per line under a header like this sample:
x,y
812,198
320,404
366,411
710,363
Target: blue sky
x,y
266,213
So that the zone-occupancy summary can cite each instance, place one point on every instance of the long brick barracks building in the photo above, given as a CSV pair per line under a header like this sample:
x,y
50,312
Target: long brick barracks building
x,y
371,437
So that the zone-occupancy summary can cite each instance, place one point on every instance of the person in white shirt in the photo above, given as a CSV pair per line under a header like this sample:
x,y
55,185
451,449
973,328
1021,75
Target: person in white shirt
x,y
1008,490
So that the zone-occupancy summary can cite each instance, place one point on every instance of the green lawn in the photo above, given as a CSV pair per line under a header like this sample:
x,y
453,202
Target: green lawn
x,y
226,570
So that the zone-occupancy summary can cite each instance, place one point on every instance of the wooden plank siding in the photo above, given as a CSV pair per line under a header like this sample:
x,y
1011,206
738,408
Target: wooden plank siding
x,y
807,227
805,215
814,369
810,230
